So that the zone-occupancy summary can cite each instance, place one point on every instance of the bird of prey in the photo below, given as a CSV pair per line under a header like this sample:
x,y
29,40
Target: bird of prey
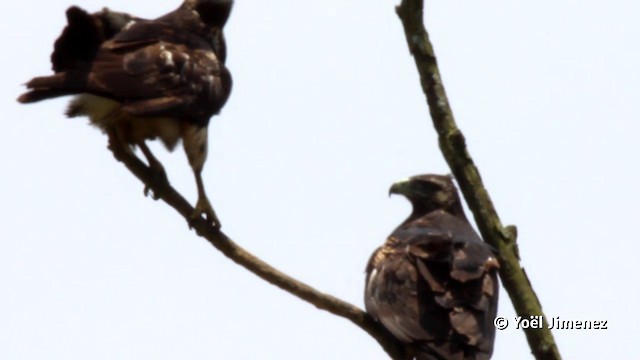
x,y
433,284
140,79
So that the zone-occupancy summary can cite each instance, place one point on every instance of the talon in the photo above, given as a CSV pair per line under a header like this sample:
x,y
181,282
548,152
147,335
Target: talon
x,y
154,195
203,207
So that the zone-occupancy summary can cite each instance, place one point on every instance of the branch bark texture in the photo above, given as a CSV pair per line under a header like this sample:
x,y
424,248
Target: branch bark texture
x,y
453,147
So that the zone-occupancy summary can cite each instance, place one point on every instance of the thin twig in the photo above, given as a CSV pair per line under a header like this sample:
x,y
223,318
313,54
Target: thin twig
x,y
164,191
452,144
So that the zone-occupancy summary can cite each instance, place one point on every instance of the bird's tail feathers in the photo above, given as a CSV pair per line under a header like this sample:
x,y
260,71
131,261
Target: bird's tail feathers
x,y
46,87
38,95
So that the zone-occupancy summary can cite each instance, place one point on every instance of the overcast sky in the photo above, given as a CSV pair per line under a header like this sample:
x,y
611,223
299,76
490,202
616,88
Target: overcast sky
x,y
326,112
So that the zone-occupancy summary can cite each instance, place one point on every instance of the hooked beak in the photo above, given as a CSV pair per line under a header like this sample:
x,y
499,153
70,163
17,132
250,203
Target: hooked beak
x,y
399,187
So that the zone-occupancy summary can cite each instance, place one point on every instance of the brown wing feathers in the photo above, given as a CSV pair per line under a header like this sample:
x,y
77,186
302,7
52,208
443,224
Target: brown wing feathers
x,y
152,67
80,40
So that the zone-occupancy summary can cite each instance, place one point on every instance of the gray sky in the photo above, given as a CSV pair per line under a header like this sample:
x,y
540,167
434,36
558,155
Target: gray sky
x,y
326,112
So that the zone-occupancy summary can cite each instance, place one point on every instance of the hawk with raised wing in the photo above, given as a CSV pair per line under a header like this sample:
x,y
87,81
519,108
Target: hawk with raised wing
x,y
140,79
433,284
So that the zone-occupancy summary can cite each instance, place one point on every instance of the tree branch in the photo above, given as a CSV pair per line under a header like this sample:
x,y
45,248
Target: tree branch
x,y
453,147
163,190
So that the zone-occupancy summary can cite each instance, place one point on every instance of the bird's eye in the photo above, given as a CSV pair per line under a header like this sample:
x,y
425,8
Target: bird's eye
x,y
430,187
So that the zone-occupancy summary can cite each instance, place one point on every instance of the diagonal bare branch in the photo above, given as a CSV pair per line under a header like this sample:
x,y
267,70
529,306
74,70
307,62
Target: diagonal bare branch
x,y
164,191
453,147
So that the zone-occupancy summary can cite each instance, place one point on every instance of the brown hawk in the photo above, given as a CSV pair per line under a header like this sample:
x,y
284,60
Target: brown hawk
x,y
433,284
140,79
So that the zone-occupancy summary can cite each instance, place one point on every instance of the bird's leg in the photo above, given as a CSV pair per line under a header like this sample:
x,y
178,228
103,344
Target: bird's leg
x,y
156,167
203,206
195,146
119,149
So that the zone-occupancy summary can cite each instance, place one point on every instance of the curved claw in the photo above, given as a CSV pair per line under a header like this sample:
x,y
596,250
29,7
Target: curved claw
x,y
203,207
154,195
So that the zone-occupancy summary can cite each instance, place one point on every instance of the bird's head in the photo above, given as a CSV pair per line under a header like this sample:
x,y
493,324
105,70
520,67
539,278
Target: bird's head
x,y
206,18
213,13
429,193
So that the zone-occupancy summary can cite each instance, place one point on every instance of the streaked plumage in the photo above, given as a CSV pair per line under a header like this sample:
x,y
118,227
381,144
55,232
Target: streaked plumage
x,y
433,283
140,79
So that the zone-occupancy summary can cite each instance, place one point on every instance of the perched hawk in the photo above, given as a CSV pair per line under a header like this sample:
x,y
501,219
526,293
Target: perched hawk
x,y
140,79
433,284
